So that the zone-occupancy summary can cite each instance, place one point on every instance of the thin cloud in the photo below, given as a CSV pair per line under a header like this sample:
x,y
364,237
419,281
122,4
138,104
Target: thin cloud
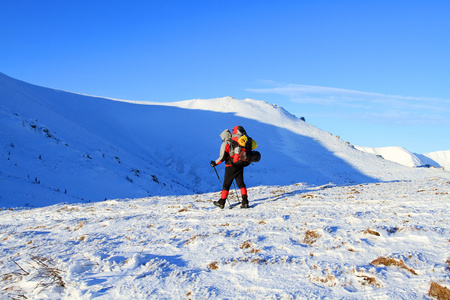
x,y
375,106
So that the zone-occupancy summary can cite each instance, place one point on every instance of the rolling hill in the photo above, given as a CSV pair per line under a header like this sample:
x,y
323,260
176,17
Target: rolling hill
x,y
58,146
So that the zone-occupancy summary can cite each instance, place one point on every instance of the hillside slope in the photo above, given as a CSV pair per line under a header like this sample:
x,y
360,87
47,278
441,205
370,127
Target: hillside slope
x,y
58,146
439,159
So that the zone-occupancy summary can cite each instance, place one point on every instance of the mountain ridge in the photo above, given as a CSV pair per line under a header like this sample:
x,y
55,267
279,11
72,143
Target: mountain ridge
x,y
60,146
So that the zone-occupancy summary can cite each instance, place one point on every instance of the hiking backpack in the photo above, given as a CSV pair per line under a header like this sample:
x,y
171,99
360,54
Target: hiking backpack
x,y
243,146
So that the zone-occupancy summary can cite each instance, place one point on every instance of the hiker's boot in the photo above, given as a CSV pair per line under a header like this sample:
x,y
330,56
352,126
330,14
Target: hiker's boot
x,y
220,203
244,201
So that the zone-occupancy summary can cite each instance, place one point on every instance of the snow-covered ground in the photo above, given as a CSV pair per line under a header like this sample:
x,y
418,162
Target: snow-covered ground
x,y
112,199
295,242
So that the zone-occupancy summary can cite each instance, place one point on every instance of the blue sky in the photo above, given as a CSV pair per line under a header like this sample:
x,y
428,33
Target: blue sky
x,y
375,73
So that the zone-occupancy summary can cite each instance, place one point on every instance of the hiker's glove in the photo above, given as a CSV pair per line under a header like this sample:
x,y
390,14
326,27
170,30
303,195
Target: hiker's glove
x,y
213,163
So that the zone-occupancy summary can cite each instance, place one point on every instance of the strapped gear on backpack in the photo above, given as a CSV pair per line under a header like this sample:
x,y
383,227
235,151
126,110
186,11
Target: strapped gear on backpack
x,y
243,146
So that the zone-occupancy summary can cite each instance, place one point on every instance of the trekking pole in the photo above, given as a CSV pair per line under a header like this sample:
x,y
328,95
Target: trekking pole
x,y
220,182
236,192
218,177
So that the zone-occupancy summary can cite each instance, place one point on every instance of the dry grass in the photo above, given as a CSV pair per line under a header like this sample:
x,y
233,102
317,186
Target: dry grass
x,y
368,280
213,265
387,261
255,251
278,192
79,226
49,274
439,292
174,206
311,237
41,270
68,208
328,280
372,232
193,238
185,209
246,245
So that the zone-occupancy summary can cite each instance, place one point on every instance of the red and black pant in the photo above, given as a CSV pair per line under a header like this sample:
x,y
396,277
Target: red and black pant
x,y
236,173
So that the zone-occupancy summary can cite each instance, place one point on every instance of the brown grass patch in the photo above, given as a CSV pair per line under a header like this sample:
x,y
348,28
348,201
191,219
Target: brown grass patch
x,y
38,227
438,291
328,280
73,208
41,269
192,239
255,251
213,265
387,261
279,191
246,245
311,237
185,209
80,225
308,196
368,280
372,232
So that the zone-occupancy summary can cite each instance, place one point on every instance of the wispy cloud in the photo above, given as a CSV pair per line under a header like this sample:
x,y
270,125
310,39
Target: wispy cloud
x,y
375,106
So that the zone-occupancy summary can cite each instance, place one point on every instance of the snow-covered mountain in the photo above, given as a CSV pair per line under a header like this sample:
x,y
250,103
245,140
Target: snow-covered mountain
x,y
58,146
326,221
439,159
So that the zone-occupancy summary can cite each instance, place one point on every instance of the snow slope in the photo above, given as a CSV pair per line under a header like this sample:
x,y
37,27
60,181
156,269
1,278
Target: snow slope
x,y
387,240
396,154
442,158
63,147
404,157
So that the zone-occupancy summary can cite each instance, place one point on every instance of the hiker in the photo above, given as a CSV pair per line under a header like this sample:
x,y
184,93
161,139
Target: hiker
x,y
236,152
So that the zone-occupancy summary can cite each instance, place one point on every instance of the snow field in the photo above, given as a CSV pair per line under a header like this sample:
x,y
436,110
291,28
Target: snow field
x,y
297,241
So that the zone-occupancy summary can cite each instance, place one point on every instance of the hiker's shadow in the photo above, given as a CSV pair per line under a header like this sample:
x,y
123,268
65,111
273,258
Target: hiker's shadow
x,y
279,196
